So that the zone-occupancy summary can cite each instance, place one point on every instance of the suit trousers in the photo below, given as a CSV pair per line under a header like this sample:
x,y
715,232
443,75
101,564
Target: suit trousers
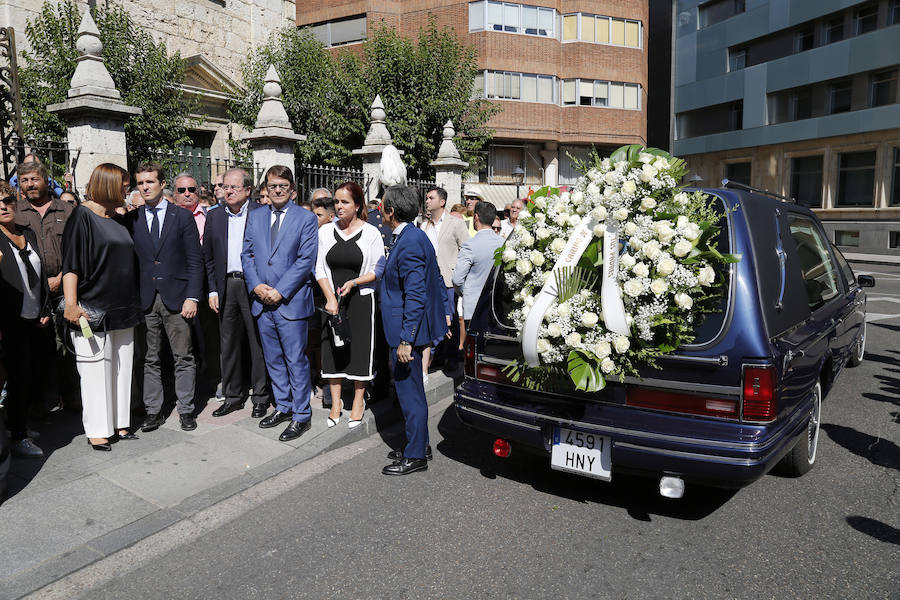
x,y
162,321
411,396
236,325
105,364
22,342
284,347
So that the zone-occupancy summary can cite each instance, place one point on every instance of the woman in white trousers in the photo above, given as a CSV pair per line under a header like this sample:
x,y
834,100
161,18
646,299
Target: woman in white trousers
x,y
102,306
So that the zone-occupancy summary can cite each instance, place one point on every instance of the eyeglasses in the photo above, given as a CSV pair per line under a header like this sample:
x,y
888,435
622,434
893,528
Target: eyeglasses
x,y
190,189
219,185
231,187
278,186
496,228
9,200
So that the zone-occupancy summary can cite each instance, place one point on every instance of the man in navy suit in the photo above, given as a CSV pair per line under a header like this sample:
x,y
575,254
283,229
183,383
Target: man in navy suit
x,y
222,245
414,312
170,266
280,248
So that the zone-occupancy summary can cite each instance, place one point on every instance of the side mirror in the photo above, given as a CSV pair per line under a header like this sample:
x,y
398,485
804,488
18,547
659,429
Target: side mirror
x,y
865,280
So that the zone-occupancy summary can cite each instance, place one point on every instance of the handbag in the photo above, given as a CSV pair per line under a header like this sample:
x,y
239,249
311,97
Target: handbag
x,y
340,325
96,317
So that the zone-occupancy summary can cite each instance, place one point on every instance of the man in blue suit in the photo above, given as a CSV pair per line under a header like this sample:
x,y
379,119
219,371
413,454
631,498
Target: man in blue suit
x,y
281,243
415,313
170,265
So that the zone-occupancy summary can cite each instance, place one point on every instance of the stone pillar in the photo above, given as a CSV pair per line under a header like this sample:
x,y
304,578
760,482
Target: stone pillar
x,y
550,154
448,167
273,139
376,139
94,112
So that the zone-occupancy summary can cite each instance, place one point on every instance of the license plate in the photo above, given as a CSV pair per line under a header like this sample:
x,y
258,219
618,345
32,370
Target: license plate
x,y
582,453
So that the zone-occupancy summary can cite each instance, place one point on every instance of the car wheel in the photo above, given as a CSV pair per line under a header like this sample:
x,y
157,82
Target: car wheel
x,y
803,456
859,348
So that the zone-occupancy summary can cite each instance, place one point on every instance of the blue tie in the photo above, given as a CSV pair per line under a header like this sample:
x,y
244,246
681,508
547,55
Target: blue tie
x,y
276,225
154,227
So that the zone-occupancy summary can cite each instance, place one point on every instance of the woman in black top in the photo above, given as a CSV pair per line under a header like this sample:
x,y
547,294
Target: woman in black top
x,y
23,309
100,284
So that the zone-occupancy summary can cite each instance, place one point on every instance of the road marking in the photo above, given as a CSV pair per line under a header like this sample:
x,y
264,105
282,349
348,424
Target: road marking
x,y
884,299
884,275
879,317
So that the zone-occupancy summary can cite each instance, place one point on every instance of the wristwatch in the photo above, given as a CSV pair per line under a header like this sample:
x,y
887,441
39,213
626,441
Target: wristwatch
x,y
405,343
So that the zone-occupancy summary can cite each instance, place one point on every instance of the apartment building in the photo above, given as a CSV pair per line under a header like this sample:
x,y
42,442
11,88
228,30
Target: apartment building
x,y
569,74
800,98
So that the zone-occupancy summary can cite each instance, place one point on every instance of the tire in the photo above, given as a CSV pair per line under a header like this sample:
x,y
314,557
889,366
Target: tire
x,y
802,456
859,348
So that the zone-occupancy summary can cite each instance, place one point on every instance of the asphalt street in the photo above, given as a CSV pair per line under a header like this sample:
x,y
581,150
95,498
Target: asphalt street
x,y
476,526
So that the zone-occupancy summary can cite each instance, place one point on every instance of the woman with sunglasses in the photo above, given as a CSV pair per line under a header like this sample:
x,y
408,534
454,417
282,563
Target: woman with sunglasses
x,y
23,309
100,284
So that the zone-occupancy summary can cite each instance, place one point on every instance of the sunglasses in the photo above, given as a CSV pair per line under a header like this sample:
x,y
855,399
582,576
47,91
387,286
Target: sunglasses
x,y
182,190
497,229
9,201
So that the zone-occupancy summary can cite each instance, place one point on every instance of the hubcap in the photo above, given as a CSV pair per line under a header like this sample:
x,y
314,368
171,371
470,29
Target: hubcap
x,y
813,428
861,343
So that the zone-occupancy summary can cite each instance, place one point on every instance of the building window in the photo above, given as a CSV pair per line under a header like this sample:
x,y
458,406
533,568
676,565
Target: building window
x,y
341,33
834,30
801,104
738,171
866,19
895,239
805,39
846,238
856,179
610,94
736,116
737,59
719,10
511,18
527,87
601,30
894,12
840,97
806,181
883,88
895,180
570,28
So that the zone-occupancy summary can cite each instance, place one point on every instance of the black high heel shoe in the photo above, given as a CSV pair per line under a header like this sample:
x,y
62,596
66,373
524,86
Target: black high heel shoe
x,y
127,436
102,447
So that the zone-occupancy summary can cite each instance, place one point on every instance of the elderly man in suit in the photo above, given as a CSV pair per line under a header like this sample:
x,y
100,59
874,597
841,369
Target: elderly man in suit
x,y
228,298
170,266
476,258
280,248
414,311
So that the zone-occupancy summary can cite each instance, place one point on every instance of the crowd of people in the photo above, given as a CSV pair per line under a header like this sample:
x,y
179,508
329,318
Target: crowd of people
x,y
104,299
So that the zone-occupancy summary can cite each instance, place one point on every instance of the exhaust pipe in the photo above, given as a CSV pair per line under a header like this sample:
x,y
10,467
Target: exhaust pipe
x,y
671,486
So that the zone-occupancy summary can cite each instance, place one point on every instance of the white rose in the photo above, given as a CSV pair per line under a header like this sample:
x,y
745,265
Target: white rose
x,y
543,345
681,198
659,286
573,339
589,319
633,288
681,222
599,213
565,197
563,310
609,192
640,269
553,330
665,234
542,233
562,218
627,260
610,178
648,203
666,266
558,245
577,197
525,239
648,172
651,249
635,242
630,228
536,258
523,266
607,365
628,319
528,301
599,230
682,248
661,163
706,275
620,214
692,231
621,344
629,187
683,301
602,349
540,218
592,190
645,158
509,255
541,202
574,220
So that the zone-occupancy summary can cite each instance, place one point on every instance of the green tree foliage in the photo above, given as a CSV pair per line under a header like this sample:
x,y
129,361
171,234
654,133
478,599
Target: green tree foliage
x,y
144,73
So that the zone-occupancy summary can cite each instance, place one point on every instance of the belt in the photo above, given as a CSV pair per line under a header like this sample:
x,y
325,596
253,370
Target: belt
x,y
234,275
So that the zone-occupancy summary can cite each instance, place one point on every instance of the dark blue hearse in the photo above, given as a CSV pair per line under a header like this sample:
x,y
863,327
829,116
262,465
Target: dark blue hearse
x,y
744,397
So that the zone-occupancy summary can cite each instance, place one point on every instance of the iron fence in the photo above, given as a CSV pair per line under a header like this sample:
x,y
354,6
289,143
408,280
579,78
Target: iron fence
x,y
203,168
311,177
55,154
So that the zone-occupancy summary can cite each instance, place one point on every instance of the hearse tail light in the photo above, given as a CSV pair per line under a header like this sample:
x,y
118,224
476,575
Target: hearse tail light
x,y
469,349
502,448
759,394
682,403
489,372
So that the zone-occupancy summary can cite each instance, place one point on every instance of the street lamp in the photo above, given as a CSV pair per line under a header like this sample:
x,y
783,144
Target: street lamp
x,y
519,175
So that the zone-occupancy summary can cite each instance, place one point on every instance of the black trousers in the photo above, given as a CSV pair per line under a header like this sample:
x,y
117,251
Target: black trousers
x,y
237,328
21,340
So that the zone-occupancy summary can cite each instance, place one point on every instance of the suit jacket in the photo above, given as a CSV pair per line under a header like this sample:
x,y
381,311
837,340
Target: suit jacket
x,y
413,296
215,247
288,266
12,288
474,264
451,237
175,270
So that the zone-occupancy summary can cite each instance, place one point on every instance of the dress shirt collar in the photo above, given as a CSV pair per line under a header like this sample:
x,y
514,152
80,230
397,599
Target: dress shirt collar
x,y
241,211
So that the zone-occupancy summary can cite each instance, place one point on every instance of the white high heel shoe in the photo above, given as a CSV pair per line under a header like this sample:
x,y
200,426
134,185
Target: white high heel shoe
x,y
332,422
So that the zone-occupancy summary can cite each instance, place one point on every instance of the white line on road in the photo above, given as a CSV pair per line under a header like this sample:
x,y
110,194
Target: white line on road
x,y
888,298
879,317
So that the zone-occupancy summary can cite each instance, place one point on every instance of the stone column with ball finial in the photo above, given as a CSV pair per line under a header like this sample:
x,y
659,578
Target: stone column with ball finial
x,y
448,167
273,139
376,140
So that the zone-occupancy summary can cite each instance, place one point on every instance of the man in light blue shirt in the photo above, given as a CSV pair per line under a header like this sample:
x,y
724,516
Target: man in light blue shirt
x,y
476,258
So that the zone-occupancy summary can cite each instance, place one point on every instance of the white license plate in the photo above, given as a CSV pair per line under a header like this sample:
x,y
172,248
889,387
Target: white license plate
x,y
582,453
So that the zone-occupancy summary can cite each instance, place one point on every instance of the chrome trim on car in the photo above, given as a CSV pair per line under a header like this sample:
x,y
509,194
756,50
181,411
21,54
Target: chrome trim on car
x,y
499,418
501,337
692,455
782,259
491,360
716,361
686,386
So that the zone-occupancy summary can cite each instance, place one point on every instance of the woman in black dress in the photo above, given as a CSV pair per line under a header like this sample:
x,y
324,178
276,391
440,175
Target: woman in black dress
x,y
349,252
100,283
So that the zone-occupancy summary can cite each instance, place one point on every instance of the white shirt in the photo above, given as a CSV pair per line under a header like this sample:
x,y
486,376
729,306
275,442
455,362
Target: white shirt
x,y
506,228
237,222
283,209
31,300
370,244
160,214
433,230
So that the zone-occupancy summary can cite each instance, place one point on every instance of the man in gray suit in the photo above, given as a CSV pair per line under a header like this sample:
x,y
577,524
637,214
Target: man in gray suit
x,y
476,258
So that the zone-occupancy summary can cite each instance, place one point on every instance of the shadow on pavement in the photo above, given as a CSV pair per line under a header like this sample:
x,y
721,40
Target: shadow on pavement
x,y
638,495
872,527
878,451
57,430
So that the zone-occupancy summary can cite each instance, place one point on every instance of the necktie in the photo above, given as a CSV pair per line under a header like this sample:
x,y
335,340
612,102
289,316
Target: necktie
x,y
276,225
154,227
394,238
29,268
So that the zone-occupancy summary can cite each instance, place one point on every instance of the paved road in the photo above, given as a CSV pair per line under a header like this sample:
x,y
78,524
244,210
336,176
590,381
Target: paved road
x,y
474,526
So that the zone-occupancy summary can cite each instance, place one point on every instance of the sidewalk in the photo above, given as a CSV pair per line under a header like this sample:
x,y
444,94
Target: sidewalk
x,y
77,505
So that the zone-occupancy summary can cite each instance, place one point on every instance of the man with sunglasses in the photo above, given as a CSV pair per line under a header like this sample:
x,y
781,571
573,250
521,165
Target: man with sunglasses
x,y
219,189
187,196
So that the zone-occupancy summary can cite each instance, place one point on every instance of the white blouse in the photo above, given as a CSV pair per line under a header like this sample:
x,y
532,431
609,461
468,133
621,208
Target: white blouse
x,y
370,244
31,299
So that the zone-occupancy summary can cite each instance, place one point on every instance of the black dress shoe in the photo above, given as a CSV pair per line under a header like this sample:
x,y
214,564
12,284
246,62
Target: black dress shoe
x,y
102,447
127,436
294,430
398,454
153,422
227,408
274,419
188,422
405,466
259,411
